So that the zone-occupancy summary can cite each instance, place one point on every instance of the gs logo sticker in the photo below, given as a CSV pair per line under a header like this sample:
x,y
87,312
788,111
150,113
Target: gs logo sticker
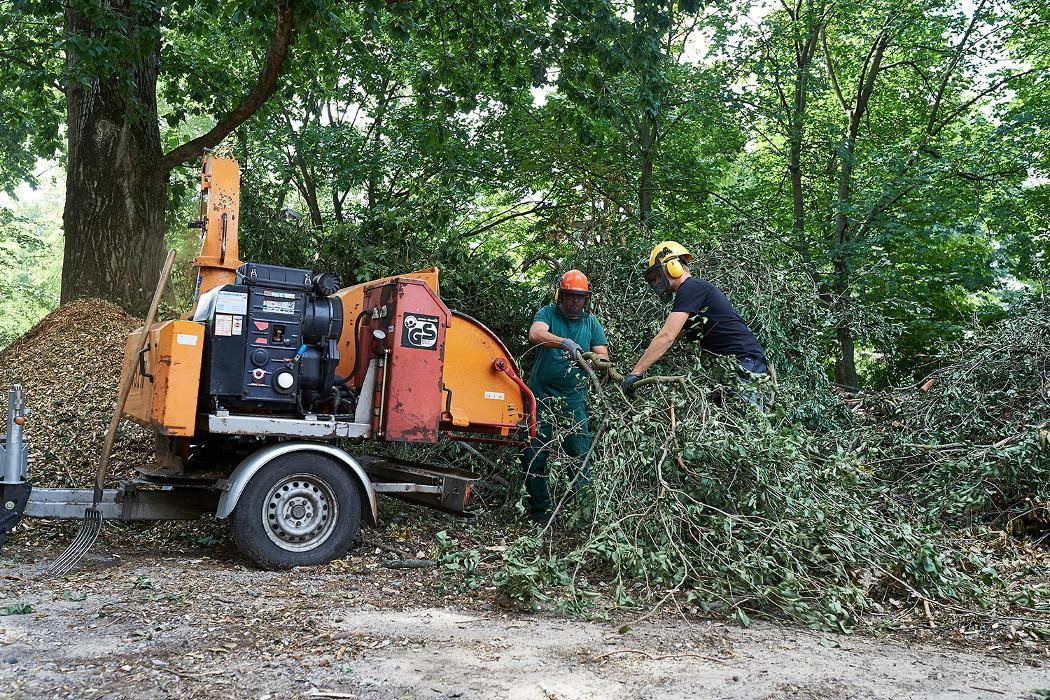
x,y
420,331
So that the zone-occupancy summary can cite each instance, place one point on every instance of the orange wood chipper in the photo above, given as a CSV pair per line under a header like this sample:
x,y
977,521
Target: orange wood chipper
x,y
258,392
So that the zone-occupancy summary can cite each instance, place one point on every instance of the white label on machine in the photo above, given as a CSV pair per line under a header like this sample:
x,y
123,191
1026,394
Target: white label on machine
x,y
497,395
278,307
238,325
223,324
231,303
185,339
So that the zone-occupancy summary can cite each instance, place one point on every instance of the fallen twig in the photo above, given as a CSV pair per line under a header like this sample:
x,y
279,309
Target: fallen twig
x,y
385,547
656,657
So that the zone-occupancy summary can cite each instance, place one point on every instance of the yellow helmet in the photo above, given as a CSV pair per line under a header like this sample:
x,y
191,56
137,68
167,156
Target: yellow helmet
x,y
668,254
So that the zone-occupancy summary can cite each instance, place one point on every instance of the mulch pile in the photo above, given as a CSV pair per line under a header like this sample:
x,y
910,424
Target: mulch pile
x,y
69,367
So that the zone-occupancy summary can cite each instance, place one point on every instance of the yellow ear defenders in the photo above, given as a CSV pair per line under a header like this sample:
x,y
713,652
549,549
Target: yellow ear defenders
x,y
674,268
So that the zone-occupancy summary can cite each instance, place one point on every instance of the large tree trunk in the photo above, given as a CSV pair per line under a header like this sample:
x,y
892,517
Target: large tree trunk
x,y
115,194
117,173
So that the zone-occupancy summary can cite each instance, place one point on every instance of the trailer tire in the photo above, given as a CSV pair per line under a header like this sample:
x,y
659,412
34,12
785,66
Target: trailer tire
x,y
301,509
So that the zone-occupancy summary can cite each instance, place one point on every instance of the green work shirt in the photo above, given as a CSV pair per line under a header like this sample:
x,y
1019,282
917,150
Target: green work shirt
x,y
554,374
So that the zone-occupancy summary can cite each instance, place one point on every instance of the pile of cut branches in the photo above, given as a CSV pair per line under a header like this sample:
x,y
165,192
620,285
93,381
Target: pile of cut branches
x,y
971,445
809,512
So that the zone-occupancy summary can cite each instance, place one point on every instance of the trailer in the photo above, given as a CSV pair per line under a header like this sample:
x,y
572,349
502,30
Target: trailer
x,y
296,501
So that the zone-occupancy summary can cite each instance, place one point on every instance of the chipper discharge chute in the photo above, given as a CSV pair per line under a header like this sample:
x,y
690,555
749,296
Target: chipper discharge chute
x,y
259,394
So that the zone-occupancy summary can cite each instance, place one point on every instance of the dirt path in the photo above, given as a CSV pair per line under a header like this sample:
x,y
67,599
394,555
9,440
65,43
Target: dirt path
x,y
199,624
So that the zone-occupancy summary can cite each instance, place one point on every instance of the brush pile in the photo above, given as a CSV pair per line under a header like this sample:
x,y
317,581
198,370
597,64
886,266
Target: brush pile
x,y
904,511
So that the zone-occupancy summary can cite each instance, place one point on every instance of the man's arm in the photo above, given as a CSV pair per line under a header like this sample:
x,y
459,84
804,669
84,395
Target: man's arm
x,y
662,342
601,351
540,334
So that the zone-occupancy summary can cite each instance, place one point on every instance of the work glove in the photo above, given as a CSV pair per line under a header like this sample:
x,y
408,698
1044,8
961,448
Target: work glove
x,y
628,384
571,346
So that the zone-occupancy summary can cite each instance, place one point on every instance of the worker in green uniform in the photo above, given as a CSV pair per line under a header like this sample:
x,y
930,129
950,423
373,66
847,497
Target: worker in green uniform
x,y
562,330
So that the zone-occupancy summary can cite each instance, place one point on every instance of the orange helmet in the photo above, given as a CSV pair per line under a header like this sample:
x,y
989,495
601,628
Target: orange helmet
x,y
573,281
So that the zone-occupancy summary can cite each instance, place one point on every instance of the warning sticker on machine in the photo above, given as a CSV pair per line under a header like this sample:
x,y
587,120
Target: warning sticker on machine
x,y
278,307
231,303
498,395
238,325
420,331
223,324
185,339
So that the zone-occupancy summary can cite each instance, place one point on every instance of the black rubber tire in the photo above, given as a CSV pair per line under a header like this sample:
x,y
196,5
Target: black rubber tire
x,y
316,475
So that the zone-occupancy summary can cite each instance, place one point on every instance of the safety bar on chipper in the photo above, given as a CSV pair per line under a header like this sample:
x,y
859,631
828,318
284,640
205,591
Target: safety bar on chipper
x,y
503,366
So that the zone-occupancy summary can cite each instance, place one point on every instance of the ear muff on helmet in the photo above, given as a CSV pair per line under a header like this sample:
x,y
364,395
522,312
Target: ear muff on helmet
x,y
668,259
675,268
672,256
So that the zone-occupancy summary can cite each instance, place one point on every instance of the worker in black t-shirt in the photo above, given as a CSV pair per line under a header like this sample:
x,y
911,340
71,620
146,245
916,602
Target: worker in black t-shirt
x,y
700,312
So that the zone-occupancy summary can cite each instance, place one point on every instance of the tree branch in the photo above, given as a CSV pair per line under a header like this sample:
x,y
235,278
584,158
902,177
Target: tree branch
x,y
960,50
832,72
275,58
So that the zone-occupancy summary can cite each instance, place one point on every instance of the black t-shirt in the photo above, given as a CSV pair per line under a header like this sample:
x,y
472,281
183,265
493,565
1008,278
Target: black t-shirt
x,y
713,321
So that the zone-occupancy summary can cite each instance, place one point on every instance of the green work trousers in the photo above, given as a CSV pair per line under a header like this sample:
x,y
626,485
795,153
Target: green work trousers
x,y
571,416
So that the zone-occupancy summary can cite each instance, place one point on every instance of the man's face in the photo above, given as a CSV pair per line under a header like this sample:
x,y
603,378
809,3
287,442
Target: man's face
x,y
658,281
572,305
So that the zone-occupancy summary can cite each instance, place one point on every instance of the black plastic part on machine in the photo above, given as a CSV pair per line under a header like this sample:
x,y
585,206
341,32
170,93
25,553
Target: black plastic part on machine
x,y
13,500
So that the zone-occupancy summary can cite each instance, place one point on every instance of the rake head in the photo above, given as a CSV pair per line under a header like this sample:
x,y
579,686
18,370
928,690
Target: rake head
x,y
80,545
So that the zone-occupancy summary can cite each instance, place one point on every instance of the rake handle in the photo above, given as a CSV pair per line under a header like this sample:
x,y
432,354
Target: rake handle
x,y
127,377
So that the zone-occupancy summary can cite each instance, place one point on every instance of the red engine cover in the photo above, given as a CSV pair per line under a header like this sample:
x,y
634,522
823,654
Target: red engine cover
x,y
408,386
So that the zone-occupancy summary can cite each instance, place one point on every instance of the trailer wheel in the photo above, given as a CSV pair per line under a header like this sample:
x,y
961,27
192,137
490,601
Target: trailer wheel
x,y
299,510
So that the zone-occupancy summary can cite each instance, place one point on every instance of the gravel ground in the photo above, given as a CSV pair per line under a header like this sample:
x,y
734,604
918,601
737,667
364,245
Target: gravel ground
x,y
188,618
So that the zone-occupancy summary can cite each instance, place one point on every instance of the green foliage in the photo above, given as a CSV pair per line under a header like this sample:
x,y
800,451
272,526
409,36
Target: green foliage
x,y
16,609
974,444
31,250
810,513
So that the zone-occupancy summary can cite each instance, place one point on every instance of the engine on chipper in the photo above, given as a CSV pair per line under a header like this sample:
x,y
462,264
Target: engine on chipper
x,y
252,391
271,341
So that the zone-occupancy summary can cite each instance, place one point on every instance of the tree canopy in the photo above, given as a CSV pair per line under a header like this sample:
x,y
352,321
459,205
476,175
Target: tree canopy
x,y
892,157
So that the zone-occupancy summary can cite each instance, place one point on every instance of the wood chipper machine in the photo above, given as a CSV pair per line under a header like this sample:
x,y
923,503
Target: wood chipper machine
x,y
258,395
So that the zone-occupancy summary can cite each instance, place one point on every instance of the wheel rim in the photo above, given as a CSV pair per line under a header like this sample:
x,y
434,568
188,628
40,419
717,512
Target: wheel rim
x,y
300,512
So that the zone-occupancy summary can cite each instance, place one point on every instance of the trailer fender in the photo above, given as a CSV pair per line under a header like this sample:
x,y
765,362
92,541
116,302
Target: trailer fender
x,y
251,464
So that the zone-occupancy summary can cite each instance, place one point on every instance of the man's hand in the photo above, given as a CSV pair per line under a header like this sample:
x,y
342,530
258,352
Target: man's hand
x,y
571,346
628,384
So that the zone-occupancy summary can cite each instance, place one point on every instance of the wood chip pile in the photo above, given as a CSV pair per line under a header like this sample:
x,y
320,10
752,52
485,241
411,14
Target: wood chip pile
x,y
69,366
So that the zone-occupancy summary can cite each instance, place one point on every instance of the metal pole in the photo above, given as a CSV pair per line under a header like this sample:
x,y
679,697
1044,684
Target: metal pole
x,y
14,447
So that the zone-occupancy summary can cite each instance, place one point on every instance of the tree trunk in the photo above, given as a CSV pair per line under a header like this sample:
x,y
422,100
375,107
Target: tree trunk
x,y
845,365
308,190
115,195
117,173
646,146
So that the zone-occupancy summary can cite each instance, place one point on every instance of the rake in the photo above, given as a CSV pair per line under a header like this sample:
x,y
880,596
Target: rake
x,y
92,524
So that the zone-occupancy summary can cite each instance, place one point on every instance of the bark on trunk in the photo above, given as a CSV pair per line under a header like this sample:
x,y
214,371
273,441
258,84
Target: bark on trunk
x,y
115,195
845,365
117,173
